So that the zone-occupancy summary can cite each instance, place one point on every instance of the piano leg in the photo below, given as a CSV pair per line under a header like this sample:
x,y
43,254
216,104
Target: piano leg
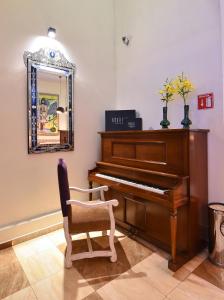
x,y
177,259
173,230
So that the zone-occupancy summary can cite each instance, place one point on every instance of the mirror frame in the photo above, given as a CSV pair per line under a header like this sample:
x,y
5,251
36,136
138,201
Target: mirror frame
x,y
51,58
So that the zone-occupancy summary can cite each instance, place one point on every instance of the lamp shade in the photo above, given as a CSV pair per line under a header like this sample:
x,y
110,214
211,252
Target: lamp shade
x,y
60,110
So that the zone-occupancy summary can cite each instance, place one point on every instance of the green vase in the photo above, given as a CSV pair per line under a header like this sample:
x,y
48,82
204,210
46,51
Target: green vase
x,y
165,123
186,122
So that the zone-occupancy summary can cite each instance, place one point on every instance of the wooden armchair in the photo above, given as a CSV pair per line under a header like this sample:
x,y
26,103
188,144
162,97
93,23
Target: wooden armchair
x,y
84,217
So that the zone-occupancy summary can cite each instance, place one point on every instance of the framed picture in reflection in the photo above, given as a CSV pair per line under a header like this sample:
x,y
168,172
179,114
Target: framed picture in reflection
x,y
47,118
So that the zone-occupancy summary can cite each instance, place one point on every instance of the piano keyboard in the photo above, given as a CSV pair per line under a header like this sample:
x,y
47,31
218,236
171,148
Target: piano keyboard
x,y
131,183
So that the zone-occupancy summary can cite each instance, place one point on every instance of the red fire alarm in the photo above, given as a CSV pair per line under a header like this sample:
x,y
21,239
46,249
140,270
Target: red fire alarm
x,y
206,101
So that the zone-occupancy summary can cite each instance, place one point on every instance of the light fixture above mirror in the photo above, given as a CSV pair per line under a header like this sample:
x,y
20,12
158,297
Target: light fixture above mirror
x,y
51,32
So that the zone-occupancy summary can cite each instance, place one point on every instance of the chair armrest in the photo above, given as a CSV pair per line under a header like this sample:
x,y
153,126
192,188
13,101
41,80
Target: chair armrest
x,y
95,203
100,188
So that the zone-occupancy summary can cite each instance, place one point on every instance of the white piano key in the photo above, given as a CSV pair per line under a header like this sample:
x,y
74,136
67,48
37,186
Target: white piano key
x,y
131,183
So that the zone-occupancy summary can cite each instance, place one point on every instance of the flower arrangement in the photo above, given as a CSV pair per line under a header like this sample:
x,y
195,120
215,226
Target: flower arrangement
x,y
168,91
183,86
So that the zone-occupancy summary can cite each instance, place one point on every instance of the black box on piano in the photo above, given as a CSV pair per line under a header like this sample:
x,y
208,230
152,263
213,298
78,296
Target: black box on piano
x,y
118,119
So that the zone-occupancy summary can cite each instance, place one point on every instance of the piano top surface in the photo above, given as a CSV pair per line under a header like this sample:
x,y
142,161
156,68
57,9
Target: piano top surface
x,y
154,131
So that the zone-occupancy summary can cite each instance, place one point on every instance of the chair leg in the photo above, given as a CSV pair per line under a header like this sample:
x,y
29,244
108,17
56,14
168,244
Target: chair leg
x,y
68,255
90,247
112,248
113,257
104,232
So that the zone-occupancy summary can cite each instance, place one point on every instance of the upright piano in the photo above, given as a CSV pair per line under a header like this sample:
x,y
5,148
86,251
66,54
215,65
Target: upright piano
x,y
160,179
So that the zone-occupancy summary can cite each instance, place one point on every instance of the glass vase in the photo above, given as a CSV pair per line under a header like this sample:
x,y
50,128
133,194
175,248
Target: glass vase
x,y
165,123
186,122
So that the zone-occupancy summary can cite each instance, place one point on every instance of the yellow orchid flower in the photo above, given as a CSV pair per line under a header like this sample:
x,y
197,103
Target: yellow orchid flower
x,y
183,86
168,91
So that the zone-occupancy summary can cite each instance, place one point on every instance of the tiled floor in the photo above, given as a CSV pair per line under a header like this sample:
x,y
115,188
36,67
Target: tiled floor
x,y
35,270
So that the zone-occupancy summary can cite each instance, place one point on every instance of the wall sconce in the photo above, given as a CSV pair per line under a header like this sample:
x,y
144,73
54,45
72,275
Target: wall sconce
x,y
61,110
51,32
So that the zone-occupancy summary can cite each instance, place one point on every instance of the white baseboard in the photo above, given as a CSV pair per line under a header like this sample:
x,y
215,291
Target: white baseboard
x,y
26,227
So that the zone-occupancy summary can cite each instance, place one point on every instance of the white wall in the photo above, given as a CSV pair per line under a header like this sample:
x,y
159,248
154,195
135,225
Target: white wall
x,y
28,183
170,37
222,40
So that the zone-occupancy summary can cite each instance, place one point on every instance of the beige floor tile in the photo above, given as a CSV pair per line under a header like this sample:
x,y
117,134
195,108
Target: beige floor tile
x,y
118,234
93,296
12,276
25,294
181,274
145,243
7,256
33,247
57,237
196,261
178,294
157,272
130,286
195,288
163,253
95,234
99,271
65,285
104,241
41,265
211,273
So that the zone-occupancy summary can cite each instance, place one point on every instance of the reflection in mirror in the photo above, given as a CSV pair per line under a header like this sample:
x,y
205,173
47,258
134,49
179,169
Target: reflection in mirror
x,y
52,94
50,101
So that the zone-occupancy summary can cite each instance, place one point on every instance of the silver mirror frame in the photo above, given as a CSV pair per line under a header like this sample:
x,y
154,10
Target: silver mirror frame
x,y
54,59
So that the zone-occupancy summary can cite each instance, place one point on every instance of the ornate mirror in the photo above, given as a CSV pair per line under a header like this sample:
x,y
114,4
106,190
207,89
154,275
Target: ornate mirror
x,y
50,101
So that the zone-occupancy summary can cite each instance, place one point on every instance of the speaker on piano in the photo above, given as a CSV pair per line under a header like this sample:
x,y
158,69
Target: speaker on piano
x,y
118,120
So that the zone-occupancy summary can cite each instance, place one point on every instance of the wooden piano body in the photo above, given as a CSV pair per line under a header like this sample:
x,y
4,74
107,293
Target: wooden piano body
x,y
175,162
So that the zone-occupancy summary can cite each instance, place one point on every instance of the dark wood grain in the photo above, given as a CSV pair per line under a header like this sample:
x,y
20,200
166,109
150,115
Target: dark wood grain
x,y
172,159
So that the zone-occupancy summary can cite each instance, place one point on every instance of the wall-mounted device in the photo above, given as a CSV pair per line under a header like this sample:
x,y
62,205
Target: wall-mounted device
x,y
126,39
206,101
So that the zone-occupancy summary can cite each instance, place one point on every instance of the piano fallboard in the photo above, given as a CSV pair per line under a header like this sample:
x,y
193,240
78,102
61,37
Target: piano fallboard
x,y
160,179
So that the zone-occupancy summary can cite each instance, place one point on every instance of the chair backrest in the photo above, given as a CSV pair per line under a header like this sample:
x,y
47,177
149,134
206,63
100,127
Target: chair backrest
x,y
63,186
